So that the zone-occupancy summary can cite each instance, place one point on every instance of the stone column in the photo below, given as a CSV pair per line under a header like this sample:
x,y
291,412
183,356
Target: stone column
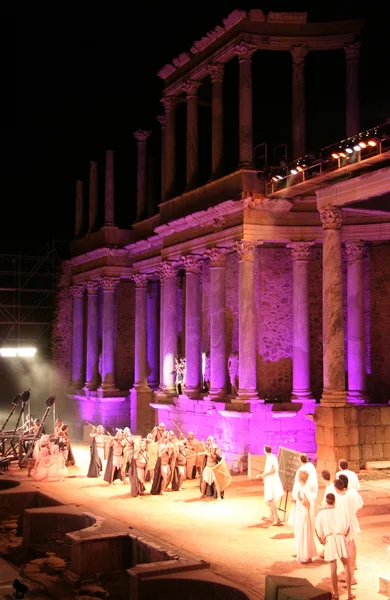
x,y
298,54
78,337
160,274
140,336
169,103
142,169
93,196
332,306
153,325
218,358
109,190
78,228
352,54
92,336
162,120
216,73
357,389
247,390
193,325
191,89
301,330
108,329
170,329
244,52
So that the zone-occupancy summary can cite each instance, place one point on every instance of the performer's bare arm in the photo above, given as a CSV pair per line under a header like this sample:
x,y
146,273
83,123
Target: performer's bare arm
x,y
263,475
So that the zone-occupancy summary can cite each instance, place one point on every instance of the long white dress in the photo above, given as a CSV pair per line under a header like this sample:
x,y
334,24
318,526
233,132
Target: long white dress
x,y
351,501
304,525
332,523
273,489
312,481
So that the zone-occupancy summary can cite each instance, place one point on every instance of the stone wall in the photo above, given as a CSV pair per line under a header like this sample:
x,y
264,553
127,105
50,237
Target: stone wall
x,y
356,433
124,347
62,324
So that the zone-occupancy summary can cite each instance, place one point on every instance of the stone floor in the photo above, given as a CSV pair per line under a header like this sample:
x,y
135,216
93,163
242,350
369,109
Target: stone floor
x,y
230,534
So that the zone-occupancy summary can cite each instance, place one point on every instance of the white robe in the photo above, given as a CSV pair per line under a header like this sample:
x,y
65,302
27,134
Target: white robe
x,y
332,524
304,525
353,479
312,481
351,501
273,489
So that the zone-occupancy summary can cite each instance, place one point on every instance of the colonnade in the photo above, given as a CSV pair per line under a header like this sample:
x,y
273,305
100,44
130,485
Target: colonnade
x,y
244,51
156,302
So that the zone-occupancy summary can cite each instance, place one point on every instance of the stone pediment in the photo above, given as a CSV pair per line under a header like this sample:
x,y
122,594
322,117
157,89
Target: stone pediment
x,y
97,254
258,202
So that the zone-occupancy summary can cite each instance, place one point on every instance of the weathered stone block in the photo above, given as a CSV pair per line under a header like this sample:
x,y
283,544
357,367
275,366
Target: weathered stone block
x,y
384,585
354,453
351,415
320,434
386,451
366,452
387,434
328,416
377,451
385,415
367,434
380,434
369,415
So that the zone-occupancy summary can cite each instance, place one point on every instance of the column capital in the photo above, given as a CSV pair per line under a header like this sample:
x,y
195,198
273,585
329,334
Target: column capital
x,y
92,287
77,291
162,120
109,283
140,280
166,270
300,251
192,264
141,135
355,251
298,54
245,250
190,87
169,102
331,217
352,51
244,51
217,256
216,71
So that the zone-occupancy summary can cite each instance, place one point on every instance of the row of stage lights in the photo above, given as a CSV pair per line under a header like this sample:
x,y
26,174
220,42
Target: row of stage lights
x,y
347,149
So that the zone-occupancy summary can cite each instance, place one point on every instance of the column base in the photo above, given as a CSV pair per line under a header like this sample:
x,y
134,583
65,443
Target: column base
x,y
191,392
245,165
247,397
166,393
106,390
334,397
217,394
357,397
301,395
90,386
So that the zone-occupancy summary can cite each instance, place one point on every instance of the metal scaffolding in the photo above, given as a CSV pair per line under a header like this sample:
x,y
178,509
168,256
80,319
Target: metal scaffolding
x,y
27,298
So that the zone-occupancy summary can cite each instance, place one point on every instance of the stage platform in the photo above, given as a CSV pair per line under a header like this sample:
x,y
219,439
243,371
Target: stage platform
x,y
230,534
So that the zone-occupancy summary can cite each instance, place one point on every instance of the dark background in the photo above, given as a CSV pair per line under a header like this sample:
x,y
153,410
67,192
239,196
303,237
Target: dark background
x,y
85,80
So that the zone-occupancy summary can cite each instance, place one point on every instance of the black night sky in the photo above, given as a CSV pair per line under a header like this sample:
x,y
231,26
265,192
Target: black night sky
x,y
86,79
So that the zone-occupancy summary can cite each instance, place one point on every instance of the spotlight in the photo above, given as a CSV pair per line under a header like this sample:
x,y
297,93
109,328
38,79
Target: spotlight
x,y
293,172
11,352
362,144
279,177
335,155
299,169
349,150
372,143
20,589
342,154
357,148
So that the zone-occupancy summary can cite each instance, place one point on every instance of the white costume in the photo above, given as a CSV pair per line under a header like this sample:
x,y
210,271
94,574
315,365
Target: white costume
x,y
351,501
353,479
330,489
332,523
312,482
41,470
273,489
304,525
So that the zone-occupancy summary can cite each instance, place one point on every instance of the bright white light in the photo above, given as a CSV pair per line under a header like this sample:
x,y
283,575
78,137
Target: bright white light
x,y
7,352
349,150
357,148
293,171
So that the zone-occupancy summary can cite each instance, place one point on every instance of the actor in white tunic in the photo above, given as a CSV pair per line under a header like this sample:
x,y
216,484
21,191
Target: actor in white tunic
x,y
273,489
304,521
351,501
313,479
332,528
353,479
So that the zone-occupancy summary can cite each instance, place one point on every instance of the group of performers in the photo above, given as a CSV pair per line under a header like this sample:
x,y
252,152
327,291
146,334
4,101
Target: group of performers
x,y
335,522
162,459
51,455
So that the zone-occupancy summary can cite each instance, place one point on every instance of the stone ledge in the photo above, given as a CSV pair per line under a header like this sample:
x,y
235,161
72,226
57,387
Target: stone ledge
x,y
377,464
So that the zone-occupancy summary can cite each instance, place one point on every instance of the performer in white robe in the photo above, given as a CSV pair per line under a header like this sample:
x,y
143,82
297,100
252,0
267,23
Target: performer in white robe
x,y
313,479
40,472
351,501
304,521
332,527
273,489
353,479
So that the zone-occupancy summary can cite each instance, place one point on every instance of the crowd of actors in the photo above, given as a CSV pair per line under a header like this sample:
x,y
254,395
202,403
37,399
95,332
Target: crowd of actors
x,y
50,454
334,523
162,459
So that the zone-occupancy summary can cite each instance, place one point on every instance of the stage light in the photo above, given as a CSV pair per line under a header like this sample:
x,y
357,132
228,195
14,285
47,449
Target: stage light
x,y
335,155
11,352
349,150
362,144
279,177
294,172
342,154
372,143
275,179
357,148
299,169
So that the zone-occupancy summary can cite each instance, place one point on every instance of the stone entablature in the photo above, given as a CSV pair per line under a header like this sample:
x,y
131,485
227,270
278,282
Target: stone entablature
x,y
272,31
